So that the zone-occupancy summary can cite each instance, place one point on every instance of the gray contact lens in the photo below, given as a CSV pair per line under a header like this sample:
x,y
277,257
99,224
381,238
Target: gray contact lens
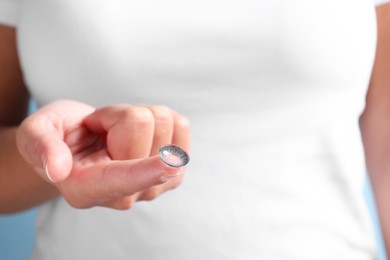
x,y
174,156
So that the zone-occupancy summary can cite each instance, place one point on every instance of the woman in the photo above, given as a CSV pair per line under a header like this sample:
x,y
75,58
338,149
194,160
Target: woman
x,y
273,90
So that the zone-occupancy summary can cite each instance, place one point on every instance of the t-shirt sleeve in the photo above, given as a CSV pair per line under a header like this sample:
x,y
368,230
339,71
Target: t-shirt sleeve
x,y
9,11
381,2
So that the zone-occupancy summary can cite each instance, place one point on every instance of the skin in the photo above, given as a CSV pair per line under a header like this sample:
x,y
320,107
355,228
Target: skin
x,y
83,146
93,160
375,123
79,152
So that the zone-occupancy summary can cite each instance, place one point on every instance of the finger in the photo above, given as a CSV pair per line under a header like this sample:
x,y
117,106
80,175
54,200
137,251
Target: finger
x,y
129,130
103,182
163,127
151,193
123,203
40,137
41,145
155,191
181,131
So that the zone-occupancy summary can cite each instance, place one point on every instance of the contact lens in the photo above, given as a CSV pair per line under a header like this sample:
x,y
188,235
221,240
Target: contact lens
x,y
174,156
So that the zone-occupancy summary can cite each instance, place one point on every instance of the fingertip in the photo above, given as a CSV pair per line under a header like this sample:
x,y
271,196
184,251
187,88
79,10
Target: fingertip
x,y
152,171
58,164
168,171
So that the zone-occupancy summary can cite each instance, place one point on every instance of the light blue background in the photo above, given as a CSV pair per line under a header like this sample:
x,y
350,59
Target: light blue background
x,y
17,235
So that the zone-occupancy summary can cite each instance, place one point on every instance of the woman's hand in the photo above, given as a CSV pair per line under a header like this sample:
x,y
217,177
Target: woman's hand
x,y
104,157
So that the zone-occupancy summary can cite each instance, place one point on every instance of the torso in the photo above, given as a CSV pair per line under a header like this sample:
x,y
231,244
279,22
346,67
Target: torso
x,y
273,90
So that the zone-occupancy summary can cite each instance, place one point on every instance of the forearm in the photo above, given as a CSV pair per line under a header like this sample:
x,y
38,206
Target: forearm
x,y
21,187
375,123
376,137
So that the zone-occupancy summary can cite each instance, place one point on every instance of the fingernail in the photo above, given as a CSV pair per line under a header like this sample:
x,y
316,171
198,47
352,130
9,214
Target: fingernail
x,y
167,177
46,169
47,174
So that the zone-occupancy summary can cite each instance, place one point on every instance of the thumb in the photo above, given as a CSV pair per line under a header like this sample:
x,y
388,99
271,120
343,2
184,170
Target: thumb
x,y
41,145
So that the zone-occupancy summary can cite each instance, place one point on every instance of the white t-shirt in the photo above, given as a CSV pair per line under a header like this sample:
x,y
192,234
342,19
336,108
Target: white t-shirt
x,y
273,90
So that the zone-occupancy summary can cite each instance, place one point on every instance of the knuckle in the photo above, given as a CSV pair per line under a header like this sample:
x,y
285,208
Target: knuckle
x,y
162,114
182,122
137,114
74,198
29,126
142,114
150,194
176,182
77,204
125,203
136,118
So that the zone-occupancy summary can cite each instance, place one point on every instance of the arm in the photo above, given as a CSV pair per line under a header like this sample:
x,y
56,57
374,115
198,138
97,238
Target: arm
x,y
375,123
20,187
